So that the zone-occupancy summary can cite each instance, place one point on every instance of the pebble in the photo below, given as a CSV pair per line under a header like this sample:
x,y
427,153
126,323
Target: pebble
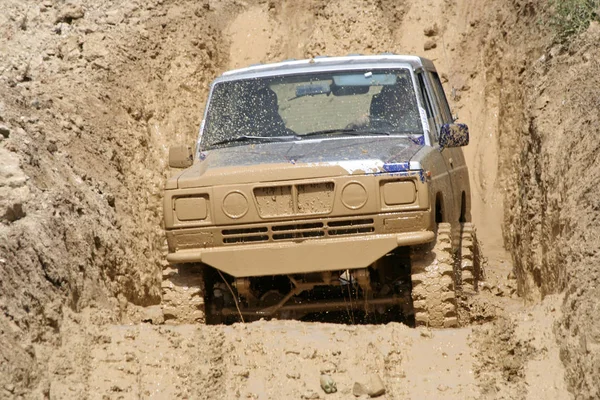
x,y
14,212
430,44
310,395
374,387
328,384
70,13
359,389
4,131
52,148
153,314
426,333
431,31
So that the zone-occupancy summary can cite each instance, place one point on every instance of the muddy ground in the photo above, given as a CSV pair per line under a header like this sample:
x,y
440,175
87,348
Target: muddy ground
x,y
92,93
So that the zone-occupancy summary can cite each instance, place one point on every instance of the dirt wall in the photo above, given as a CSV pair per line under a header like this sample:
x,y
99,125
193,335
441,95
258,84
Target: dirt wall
x,y
91,95
550,170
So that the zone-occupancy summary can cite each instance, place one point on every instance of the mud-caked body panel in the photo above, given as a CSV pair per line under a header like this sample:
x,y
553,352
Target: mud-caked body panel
x,y
308,203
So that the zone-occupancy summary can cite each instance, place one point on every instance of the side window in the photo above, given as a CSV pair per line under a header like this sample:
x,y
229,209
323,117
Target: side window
x,y
441,96
434,126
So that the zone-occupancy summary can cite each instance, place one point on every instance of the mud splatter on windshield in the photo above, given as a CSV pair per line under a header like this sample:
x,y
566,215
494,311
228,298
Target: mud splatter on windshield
x,y
296,105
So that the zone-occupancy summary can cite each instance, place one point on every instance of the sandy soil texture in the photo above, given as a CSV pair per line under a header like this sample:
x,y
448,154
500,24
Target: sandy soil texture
x,y
92,93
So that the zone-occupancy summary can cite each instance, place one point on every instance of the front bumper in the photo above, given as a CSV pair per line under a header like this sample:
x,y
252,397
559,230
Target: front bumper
x,y
302,256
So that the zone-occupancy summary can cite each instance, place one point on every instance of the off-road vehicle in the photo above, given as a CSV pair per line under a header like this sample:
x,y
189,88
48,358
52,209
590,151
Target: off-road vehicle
x,y
333,183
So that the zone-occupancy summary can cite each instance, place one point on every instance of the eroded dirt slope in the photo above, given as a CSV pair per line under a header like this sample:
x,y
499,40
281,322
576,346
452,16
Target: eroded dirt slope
x,y
91,95
550,169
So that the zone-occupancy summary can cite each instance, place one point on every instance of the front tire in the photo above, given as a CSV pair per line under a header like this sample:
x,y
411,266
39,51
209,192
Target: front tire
x,y
470,268
183,291
432,276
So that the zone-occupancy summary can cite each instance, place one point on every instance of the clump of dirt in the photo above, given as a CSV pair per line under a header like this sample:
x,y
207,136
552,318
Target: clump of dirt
x,y
501,357
92,95
517,355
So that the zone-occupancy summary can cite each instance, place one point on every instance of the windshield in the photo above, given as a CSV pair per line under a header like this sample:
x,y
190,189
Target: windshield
x,y
317,104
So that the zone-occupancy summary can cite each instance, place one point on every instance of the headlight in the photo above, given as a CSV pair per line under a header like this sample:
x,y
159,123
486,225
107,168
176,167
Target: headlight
x,y
399,192
235,204
354,195
191,208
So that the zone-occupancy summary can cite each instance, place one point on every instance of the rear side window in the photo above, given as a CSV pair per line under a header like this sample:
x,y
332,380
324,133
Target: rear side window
x,y
433,127
441,96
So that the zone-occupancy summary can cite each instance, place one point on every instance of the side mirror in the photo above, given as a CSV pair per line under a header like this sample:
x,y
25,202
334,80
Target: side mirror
x,y
454,135
180,156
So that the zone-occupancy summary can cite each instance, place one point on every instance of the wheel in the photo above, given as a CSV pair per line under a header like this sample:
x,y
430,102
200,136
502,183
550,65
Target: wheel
x,y
469,263
432,276
183,293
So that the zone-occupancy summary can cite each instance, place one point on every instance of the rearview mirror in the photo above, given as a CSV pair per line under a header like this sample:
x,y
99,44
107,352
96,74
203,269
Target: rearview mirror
x,y
180,156
454,135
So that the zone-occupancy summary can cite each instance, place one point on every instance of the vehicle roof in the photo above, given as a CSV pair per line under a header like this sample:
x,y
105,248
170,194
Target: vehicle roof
x,y
324,63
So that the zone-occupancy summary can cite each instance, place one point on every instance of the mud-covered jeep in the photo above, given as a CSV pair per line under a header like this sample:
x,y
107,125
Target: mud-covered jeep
x,y
334,183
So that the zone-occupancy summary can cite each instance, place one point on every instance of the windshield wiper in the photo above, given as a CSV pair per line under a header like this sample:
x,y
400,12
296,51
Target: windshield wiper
x,y
245,138
354,132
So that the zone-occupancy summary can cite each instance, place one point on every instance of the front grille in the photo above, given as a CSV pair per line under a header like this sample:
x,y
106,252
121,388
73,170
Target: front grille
x,y
351,227
298,199
298,231
281,232
245,235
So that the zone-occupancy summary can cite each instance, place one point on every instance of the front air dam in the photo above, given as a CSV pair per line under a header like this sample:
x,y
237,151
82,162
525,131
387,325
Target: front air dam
x,y
303,256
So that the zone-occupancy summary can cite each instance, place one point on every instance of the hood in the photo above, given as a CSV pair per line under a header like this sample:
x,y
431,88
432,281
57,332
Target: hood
x,y
306,159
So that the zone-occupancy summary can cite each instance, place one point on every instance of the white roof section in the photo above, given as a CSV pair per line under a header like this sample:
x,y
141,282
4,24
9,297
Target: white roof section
x,y
324,63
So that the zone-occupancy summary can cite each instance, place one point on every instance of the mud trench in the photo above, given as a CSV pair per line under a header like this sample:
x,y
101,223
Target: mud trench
x,y
92,94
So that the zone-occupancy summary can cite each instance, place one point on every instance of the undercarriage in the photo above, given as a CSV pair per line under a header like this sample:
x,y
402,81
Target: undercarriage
x,y
378,289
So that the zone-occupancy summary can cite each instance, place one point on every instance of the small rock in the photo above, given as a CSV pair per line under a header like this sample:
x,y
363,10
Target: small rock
x,y
100,64
110,199
430,44
129,357
328,384
373,388
78,121
485,286
426,332
10,387
243,373
328,368
359,389
293,375
52,148
4,131
432,30
376,387
114,17
70,13
14,212
153,314
310,395
498,291
442,388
